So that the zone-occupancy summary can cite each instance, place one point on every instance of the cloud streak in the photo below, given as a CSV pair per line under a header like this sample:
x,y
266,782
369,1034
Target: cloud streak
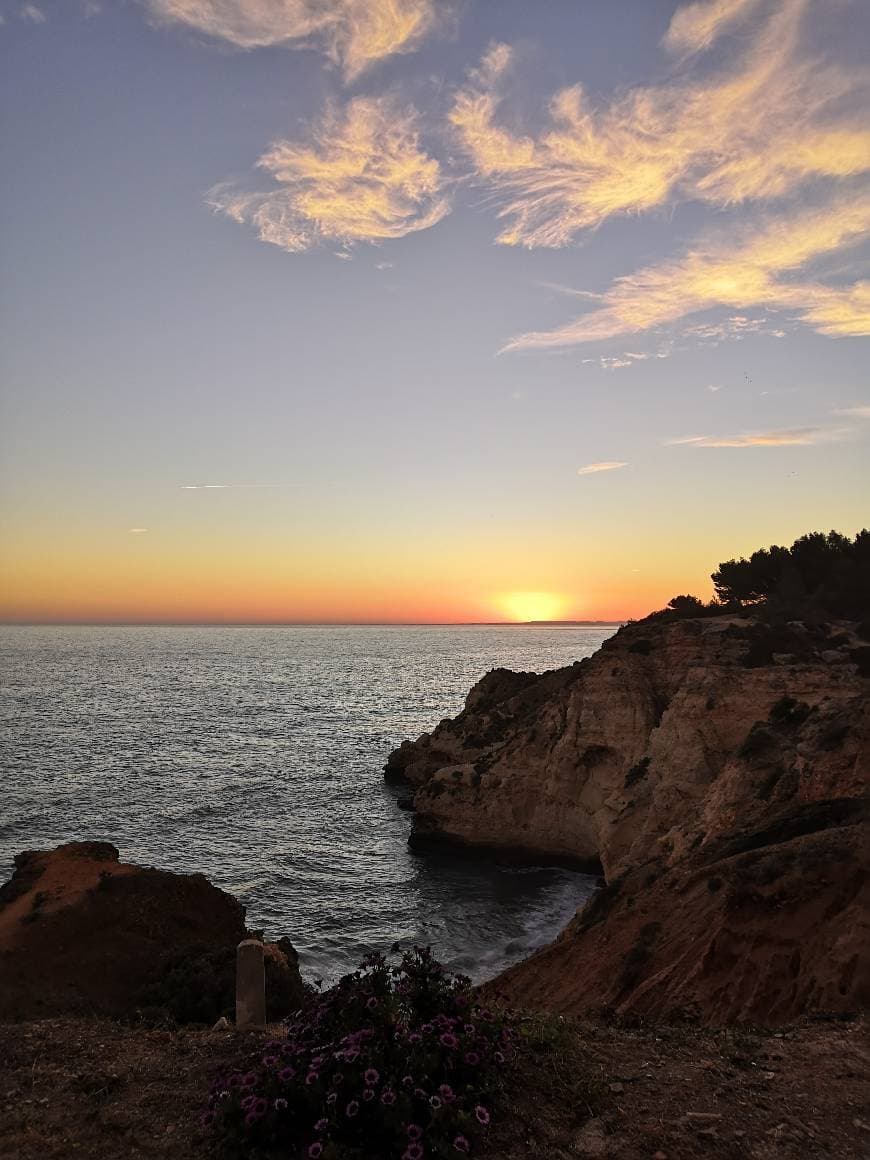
x,y
757,130
353,33
694,27
793,437
225,486
362,177
604,465
755,269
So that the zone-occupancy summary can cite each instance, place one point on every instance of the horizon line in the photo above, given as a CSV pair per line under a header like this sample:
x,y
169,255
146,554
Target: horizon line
x,y
311,623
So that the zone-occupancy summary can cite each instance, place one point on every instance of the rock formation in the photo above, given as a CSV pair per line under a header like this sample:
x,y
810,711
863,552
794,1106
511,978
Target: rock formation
x,y
80,931
715,768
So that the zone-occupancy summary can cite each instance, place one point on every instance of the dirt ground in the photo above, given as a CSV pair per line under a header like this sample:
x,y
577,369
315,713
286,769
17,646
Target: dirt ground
x,y
99,1089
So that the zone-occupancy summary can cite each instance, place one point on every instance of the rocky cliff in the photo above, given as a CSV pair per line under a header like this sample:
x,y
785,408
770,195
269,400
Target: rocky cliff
x,y
714,768
81,931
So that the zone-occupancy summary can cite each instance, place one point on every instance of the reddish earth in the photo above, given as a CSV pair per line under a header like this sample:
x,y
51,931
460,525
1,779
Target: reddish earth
x,y
758,928
99,1089
82,932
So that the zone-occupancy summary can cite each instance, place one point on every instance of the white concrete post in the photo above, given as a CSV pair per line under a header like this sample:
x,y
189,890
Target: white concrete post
x,y
250,985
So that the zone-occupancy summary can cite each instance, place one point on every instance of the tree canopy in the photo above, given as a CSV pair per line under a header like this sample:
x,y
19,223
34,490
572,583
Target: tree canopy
x,y
827,571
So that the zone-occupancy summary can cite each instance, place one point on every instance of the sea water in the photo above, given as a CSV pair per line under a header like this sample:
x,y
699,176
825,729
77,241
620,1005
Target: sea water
x,y
255,755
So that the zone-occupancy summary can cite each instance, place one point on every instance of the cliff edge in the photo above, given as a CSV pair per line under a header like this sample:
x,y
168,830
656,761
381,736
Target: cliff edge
x,y
83,933
716,768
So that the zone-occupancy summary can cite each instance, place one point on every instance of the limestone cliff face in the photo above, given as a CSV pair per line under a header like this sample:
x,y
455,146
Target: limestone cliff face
x,y
657,745
718,769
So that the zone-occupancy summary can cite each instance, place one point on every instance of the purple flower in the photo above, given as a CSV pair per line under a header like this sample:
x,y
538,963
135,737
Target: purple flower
x,y
311,1078
472,1058
315,1150
223,1096
286,1074
448,1039
260,1106
280,1104
482,1115
414,1131
372,1076
407,1081
413,1152
420,1094
415,1037
235,1080
498,1057
247,1103
368,1094
371,1003
249,1080
270,1060
435,1102
447,1093
460,1144
251,1118
469,1028
352,1108
337,1078
388,1096
331,1098
321,1125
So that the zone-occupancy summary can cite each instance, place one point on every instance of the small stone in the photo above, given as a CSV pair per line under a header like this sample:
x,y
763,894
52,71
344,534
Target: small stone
x,y
223,1024
617,1088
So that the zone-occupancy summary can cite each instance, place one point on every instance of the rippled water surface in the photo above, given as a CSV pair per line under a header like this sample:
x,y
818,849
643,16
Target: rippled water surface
x,y
255,755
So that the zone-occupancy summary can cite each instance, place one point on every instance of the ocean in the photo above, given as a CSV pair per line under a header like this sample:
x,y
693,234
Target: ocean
x,y
255,755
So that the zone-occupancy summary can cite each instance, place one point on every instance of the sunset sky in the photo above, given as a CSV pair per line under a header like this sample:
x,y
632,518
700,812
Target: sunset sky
x,y
402,310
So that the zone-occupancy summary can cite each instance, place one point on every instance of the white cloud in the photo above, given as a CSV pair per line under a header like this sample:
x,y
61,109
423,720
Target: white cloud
x,y
362,177
136,531
790,437
775,119
694,27
353,33
756,267
33,14
604,465
862,412
225,486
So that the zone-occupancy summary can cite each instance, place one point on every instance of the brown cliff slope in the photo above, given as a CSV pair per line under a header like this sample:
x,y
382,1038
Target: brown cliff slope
x,y
82,932
678,741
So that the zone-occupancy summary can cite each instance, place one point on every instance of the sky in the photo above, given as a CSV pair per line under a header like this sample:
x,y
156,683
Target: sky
x,y
408,310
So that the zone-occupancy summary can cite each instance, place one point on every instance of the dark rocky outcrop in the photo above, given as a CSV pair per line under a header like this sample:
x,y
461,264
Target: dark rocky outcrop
x,y
82,932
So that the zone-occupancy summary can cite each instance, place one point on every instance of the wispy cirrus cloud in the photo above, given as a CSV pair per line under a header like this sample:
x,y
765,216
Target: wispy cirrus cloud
x,y
756,267
353,33
790,437
604,465
226,486
861,412
694,27
361,177
33,14
774,120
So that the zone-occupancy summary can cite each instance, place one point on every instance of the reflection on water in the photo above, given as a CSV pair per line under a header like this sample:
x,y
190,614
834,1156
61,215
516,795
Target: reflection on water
x,y
254,755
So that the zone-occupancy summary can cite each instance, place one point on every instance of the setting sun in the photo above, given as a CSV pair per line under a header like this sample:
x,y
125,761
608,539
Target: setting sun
x,y
532,605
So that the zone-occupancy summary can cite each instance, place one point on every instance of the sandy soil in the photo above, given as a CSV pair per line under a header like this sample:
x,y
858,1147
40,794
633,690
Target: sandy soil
x,y
99,1089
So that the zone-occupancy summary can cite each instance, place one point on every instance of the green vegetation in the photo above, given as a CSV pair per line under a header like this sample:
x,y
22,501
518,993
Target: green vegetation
x,y
820,574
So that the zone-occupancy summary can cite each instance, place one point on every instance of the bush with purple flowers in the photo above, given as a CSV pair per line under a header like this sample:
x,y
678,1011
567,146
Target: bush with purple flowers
x,y
393,1061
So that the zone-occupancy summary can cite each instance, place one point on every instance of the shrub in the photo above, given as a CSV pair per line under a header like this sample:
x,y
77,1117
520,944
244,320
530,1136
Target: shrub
x,y
393,1061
